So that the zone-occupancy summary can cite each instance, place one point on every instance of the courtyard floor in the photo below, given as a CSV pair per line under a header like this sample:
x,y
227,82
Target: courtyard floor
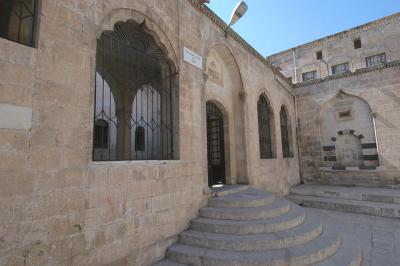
x,y
379,237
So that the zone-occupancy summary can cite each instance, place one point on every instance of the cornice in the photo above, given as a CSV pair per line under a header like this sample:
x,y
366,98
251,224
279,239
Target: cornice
x,y
362,28
350,74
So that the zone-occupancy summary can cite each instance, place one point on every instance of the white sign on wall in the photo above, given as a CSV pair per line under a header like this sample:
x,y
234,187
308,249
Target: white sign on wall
x,y
192,58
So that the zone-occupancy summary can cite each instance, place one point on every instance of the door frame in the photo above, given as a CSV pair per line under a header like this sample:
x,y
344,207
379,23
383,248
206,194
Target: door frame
x,y
220,118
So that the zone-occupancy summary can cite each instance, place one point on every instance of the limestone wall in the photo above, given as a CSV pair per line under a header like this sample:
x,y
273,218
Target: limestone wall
x,y
379,88
57,206
381,36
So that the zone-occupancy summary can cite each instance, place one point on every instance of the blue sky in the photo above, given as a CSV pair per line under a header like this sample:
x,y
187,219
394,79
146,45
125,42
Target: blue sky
x,y
271,26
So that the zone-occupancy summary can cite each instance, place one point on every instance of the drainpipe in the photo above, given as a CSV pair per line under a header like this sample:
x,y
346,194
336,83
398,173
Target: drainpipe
x,y
294,65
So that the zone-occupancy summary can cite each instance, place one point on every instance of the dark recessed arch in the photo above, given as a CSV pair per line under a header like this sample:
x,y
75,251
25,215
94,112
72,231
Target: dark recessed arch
x,y
145,88
266,128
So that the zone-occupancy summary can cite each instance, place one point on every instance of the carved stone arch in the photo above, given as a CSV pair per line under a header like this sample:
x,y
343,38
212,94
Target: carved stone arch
x,y
347,132
228,57
158,30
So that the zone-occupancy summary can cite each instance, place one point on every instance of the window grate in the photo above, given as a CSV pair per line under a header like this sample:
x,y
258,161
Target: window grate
x,y
18,20
136,94
309,75
376,60
265,119
340,68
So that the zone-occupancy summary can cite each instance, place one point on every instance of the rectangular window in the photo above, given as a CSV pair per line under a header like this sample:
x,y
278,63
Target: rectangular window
x,y
319,55
357,43
18,20
340,68
376,60
309,75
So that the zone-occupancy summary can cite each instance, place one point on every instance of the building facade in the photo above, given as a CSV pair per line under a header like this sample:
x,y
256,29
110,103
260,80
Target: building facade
x,y
347,91
116,116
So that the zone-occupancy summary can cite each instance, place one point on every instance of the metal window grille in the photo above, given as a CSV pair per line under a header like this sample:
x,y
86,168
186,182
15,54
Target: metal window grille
x,y
265,119
285,134
101,129
376,60
309,75
18,20
136,94
340,68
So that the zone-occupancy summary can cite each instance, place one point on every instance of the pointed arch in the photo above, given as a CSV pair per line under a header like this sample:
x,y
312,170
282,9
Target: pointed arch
x,y
286,133
266,128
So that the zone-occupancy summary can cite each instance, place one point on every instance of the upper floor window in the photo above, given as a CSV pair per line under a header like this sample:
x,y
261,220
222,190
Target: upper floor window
x,y
319,55
18,20
310,75
340,68
376,60
357,43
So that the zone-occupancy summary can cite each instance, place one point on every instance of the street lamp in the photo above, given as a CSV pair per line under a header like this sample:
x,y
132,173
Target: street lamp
x,y
238,12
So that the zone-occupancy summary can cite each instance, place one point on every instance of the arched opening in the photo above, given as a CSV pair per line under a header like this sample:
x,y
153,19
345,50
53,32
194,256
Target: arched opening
x,y
286,134
266,128
224,87
215,145
348,133
143,101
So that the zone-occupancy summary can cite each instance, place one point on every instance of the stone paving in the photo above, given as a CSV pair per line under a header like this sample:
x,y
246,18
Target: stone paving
x,y
378,236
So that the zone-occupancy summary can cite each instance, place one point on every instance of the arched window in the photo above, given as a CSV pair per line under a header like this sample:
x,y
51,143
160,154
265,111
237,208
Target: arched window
x,y
285,134
266,128
18,20
143,83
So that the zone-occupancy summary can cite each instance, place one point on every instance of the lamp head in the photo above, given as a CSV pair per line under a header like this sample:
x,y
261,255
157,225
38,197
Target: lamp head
x,y
238,12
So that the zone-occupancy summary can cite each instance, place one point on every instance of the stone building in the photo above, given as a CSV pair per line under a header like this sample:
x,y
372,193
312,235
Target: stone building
x,y
347,91
117,116
104,126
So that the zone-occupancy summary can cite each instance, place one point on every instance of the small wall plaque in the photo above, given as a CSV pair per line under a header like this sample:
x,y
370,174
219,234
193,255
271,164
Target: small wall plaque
x,y
192,58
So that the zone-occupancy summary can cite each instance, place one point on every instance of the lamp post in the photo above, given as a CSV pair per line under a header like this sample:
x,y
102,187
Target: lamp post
x,y
238,12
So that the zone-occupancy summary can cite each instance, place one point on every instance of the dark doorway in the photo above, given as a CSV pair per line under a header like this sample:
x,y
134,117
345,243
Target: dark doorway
x,y
215,145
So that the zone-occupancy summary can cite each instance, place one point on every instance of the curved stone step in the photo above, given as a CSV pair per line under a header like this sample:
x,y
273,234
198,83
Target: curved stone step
x,y
276,208
312,252
228,189
247,198
292,218
307,231
348,254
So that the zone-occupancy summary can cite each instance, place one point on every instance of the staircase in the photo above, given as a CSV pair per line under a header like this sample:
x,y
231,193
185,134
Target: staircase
x,y
247,226
372,201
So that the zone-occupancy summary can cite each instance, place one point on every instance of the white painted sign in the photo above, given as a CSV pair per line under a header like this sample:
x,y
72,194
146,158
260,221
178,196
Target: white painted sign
x,y
192,58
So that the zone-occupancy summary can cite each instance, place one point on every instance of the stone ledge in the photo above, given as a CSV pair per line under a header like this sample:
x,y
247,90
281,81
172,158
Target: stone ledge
x,y
349,74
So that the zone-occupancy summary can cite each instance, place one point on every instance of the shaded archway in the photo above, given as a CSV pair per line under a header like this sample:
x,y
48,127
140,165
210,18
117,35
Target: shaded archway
x,y
348,133
224,85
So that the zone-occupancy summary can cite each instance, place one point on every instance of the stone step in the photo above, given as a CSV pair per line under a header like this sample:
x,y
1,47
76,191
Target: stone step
x,y
292,218
384,195
167,262
303,233
247,198
227,190
348,254
276,208
312,252
346,205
